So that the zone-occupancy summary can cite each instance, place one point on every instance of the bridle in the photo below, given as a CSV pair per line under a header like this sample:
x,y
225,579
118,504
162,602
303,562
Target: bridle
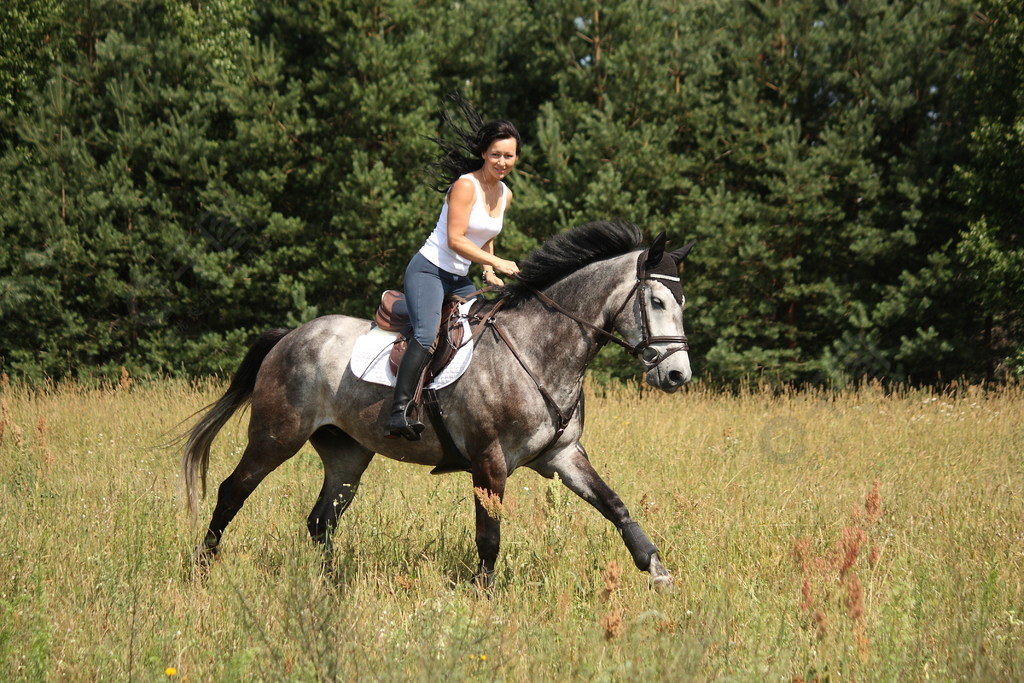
x,y
644,349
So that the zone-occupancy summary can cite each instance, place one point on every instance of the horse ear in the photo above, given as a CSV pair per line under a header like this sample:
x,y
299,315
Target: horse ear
x,y
679,255
656,250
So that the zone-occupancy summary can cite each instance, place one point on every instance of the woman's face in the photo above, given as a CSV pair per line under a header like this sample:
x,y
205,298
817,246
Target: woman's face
x,y
500,158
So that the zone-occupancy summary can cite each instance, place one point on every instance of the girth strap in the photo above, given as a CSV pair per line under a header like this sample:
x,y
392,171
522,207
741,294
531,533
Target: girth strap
x,y
453,459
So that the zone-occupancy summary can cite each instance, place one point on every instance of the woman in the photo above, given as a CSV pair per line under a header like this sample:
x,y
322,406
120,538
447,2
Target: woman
x,y
471,217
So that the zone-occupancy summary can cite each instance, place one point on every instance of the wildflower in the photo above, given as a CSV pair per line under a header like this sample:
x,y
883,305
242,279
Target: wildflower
x,y
612,624
611,576
46,455
490,502
821,623
801,546
647,504
849,548
170,671
483,658
863,644
808,595
855,598
873,503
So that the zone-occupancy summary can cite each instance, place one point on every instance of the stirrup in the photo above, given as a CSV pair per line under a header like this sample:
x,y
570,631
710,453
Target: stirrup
x,y
410,431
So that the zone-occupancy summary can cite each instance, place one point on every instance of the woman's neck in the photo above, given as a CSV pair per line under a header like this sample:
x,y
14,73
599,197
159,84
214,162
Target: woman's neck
x,y
484,179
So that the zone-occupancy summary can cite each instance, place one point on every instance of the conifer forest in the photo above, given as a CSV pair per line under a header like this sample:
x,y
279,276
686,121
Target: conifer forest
x,y
177,176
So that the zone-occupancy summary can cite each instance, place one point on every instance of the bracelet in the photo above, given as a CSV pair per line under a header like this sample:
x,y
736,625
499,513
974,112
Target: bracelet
x,y
488,271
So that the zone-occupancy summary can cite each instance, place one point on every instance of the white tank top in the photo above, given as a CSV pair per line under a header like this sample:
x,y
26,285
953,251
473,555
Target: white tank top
x,y
482,228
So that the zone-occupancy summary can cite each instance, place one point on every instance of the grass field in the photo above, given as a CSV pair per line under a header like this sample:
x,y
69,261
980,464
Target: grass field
x,y
861,535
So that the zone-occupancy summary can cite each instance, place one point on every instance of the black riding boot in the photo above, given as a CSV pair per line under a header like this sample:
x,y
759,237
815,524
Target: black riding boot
x,y
409,370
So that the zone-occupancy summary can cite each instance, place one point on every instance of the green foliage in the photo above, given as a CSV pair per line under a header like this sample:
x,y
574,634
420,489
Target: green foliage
x,y
33,38
181,175
991,184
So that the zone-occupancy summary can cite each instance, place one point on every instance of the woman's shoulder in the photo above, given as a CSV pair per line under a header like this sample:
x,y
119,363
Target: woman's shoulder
x,y
463,189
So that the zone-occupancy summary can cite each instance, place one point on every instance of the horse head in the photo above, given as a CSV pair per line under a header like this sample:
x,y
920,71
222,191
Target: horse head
x,y
655,329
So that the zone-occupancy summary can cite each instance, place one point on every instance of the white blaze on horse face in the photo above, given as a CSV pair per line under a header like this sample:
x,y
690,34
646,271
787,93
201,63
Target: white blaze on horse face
x,y
664,319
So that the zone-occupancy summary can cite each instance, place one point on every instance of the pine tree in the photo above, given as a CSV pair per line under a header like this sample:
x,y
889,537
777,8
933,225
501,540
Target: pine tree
x,y
796,143
991,184
105,209
34,36
187,174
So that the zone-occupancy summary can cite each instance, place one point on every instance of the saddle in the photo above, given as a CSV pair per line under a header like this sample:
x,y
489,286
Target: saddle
x,y
393,315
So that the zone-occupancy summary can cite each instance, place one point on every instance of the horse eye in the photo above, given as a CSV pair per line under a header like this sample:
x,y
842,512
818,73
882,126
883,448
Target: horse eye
x,y
657,303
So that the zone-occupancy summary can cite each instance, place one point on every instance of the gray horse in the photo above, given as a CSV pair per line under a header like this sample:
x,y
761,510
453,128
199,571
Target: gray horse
x,y
518,404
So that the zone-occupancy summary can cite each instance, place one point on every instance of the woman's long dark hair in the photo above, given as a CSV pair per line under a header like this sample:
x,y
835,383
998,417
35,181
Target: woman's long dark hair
x,y
464,139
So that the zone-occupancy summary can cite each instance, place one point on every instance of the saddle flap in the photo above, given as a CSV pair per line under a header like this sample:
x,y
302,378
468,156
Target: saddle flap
x,y
449,339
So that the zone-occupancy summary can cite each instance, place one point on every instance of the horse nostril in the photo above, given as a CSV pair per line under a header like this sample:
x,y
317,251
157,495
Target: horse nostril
x,y
676,378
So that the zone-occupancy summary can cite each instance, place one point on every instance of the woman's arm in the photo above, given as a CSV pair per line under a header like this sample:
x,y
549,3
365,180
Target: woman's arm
x,y
490,277
460,204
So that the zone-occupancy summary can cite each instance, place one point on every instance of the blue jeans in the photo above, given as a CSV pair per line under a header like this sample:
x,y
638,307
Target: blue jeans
x,y
426,285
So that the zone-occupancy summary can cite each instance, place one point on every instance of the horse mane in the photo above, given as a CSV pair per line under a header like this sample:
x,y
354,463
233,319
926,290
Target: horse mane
x,y
567,252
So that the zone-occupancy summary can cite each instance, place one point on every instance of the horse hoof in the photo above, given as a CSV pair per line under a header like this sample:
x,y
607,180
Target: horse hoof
x,y
204,555
663,584
483,581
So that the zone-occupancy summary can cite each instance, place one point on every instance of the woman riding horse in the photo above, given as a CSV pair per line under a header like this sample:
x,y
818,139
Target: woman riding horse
x,y
471,217
580,290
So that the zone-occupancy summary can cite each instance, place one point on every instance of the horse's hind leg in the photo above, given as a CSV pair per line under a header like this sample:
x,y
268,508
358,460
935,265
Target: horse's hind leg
x,y
345,460
262,455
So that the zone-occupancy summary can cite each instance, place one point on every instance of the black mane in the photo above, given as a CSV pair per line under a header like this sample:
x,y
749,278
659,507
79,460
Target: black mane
x,y
569,251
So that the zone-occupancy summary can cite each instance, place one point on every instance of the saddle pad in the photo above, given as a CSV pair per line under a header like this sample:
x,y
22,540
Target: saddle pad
x,y
370,356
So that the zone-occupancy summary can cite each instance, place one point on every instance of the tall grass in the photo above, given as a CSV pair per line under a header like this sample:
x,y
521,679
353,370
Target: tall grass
x,y
862,534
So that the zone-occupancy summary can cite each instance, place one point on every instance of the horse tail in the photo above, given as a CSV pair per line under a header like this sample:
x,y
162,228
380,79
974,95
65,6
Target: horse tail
x,y
196,459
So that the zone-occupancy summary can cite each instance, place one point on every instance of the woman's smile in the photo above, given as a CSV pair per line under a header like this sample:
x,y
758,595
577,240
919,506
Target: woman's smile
x,y
500,157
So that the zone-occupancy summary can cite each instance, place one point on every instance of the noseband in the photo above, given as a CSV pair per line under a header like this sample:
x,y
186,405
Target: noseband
x,y
642,350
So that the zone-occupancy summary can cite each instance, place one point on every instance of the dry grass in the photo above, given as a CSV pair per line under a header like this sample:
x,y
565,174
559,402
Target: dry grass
x,y
857,535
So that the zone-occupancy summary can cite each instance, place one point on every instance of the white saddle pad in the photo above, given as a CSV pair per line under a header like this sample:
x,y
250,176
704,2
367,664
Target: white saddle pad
x,y
372,350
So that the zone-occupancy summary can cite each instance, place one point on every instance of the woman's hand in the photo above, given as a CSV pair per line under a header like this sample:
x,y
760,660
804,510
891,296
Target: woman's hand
x,y
501,266
506,267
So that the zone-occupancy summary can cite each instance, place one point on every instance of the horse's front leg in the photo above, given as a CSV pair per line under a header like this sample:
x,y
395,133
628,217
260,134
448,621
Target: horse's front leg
x,y
489,476
574,469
